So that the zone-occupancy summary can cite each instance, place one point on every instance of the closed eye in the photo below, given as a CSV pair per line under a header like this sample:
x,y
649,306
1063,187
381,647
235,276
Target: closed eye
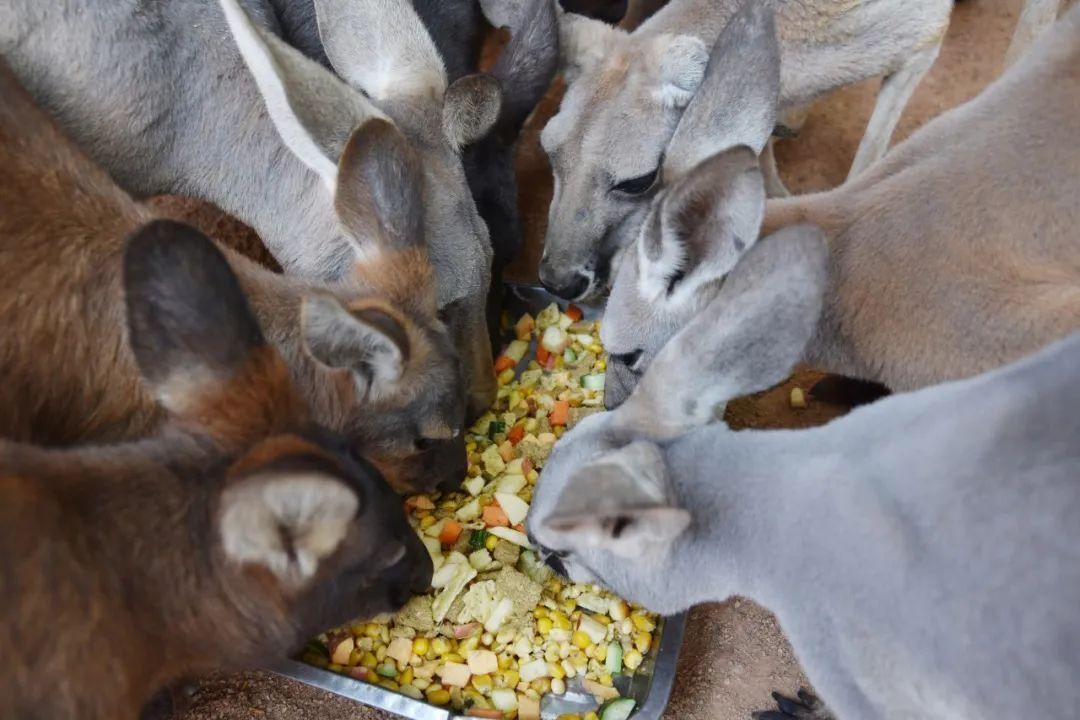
x,y
639,185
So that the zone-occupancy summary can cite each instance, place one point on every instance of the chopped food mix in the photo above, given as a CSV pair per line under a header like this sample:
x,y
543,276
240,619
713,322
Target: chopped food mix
x,y
500,630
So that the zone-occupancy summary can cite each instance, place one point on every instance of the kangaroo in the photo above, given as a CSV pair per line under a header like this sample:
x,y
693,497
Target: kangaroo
x,y
161,97
919,553
231,537
927,281
368,353
627,92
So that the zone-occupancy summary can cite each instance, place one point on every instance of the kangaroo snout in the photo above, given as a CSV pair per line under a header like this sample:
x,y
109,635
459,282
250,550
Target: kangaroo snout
x,y
619,382
568,285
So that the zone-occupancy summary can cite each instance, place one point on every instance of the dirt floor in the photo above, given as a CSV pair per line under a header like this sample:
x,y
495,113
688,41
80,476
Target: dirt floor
x,y
734,654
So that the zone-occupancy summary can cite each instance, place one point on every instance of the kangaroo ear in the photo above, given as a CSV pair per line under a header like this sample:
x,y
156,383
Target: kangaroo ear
x,y
747,339
381,47
470,108
370,340
681,60
621,503
583,43
286,522
379,188
736,103
312,110
528,64
700,227
189,324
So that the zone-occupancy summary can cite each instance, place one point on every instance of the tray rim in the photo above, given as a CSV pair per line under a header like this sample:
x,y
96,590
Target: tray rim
x,y
663,667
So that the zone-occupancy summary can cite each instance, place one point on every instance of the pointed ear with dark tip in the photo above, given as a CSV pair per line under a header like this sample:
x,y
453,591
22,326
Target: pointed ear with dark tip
x,y
380,186
583,42
701,226
621,503
381,47
286,522
528,64
312,110
370,340
470,108
747,339
736,102
189,324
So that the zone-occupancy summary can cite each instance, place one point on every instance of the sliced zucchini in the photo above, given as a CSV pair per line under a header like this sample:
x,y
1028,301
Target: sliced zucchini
x,y
618,709
613,663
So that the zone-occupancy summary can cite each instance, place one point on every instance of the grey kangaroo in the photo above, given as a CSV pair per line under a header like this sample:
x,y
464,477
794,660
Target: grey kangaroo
x,y
162,97
627,93
946,259
921,553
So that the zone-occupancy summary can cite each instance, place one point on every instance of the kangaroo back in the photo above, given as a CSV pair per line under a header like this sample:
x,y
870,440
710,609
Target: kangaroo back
x,y
959,251
63,226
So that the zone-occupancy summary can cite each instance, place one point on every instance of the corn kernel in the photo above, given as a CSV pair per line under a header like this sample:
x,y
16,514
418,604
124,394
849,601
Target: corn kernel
x,y
558,686
369,661
427,522
570,716
551,653
632,659
440,645
582,640
453,657
504,662
511,678
506,376
334,667
420,646
541,685
642,622
439,696
354,657
406,677
390,685
469,644
540,612
561,621
491,542
619,611
797,398
380,653
570,604
643,641
544,625
600,365
556,670
482,683
599,652
605,679
590,716
371,630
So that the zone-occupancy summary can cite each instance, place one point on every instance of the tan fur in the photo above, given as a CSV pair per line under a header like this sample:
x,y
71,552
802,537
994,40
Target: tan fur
x,y
958,252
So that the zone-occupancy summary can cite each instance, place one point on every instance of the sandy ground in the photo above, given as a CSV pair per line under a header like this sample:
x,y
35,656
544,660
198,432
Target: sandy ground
x,y
734,654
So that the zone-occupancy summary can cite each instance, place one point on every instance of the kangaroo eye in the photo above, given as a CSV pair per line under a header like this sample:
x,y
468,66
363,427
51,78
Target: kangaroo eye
x,y
629,359
638,185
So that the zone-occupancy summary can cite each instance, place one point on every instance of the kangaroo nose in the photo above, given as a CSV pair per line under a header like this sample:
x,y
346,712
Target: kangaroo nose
x,y
570,287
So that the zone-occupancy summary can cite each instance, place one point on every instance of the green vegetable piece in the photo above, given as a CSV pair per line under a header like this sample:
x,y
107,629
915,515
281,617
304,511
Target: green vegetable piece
x,y
314,646
387,670
617,709
495,427
613,663
477,539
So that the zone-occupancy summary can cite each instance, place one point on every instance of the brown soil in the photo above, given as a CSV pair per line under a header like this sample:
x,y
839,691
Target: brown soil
x,y
734,654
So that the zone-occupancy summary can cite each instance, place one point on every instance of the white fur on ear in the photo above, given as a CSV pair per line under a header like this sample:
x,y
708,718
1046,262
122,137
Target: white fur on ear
x,y
287,524
620,502
682,60
583,43
297,92
339,338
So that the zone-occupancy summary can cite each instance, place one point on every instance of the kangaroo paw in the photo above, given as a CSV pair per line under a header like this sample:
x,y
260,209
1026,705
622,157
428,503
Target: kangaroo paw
x,y
806,707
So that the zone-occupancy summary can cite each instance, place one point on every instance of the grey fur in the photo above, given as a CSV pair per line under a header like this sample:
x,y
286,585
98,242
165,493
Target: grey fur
x,y
920,553
614,123
946,260
158,94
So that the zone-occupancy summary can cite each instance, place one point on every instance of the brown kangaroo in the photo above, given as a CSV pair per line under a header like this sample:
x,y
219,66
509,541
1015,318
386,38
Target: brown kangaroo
x,y
232,536
369,355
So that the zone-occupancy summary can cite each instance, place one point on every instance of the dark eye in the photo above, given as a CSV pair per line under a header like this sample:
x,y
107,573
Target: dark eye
x,y
628,359
422,444
638,185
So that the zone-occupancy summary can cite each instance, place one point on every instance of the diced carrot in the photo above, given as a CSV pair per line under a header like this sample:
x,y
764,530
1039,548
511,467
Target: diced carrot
x,y
542,355
504,363
524,327
494,515
485,713
552,361
560,413
514,436
526,466
506,451
574,312
520,527
451,530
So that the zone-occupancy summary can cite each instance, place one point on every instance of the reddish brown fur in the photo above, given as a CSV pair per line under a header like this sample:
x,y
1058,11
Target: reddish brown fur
x,y
69,375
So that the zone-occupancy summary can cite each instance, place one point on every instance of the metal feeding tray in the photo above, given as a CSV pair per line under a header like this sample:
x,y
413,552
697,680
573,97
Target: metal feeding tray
x,y
650,686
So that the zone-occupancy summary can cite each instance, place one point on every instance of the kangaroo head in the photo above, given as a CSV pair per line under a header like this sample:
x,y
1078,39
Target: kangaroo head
x,y
296,513
640,110
387,67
